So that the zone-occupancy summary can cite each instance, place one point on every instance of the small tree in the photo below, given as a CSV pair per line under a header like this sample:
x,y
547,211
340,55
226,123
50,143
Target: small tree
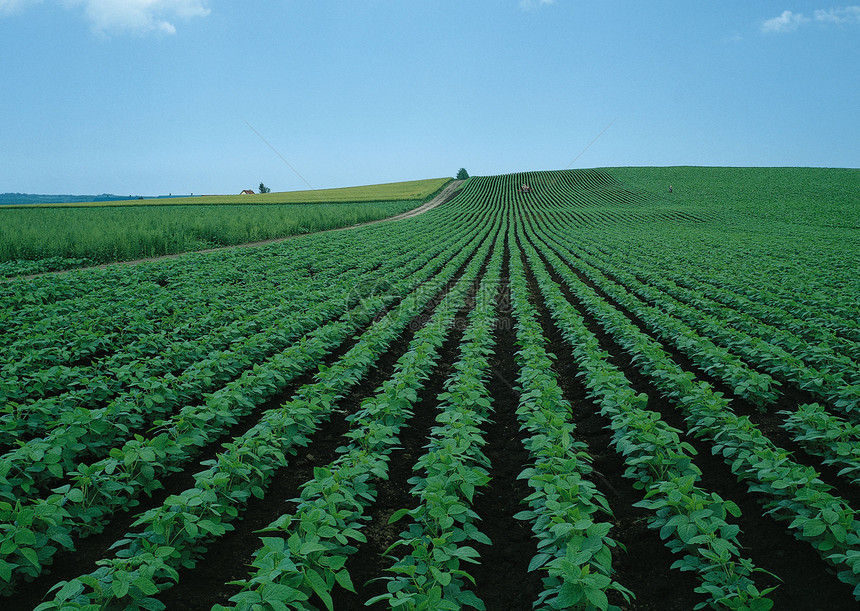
x,y
264,188
462,174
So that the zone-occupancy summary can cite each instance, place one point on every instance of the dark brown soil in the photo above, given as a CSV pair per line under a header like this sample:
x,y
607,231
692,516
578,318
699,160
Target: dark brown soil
x,y
513,546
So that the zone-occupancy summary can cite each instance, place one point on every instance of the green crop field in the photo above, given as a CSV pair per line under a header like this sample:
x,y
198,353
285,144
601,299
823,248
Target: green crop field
x,y
595,394
37,238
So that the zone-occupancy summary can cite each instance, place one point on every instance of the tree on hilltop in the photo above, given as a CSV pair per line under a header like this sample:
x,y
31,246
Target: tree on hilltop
x,y
264,189
462,174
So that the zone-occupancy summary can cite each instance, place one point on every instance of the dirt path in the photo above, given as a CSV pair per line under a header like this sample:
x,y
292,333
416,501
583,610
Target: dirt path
x,y
445,195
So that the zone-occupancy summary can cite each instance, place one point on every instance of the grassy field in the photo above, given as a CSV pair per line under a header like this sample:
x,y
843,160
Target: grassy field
x,y
52,237
802,196
392,191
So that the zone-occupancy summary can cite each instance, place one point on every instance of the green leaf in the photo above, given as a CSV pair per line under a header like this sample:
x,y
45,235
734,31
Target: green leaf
x,y
469,598
687,532
70,590
568,596
345,581
145,585
5,571
397,515
152,604
318,585
538,561
434,596
25,536
761,604
119,587
310,547
813,528
597,598
278,592
30,554
732,508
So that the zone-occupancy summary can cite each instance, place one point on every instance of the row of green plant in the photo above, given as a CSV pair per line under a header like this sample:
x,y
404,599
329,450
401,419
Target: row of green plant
x,y
693,522
814,354
166,345
174,534
565,509
100,488
304,552
759,344
787,363
819,432
140,393
144,297
789,231
650,263
432,552
809,339
84,432
831,437
19,267
816,327
807,298
119,302
107,484
203,356
79,317
762,261
789,308
791,492
755,387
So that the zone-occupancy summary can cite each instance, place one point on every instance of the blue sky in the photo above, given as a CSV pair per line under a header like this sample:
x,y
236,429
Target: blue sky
x,y
209,96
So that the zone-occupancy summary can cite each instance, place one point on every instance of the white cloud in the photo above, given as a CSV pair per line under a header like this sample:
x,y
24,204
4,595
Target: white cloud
x,y
140,16
848,14
787,22
530,4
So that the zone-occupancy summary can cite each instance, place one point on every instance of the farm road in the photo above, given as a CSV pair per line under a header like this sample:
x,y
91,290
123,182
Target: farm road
x,y
445,195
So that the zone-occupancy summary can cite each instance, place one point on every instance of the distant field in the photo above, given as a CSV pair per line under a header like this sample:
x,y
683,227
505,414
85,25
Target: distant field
x,y
807,196
46,238
392,191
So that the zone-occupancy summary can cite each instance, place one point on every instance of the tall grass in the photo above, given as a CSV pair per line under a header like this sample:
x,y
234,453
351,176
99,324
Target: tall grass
x,y
107,233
